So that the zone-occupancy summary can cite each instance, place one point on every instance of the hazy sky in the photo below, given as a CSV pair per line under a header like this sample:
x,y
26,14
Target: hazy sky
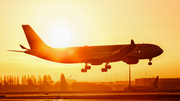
x,y
91,22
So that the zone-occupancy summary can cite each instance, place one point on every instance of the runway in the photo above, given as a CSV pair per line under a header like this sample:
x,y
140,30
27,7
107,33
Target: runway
x,y
89,95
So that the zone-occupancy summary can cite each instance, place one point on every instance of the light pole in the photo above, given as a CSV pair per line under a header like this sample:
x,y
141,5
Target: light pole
x,y
129,78
115,78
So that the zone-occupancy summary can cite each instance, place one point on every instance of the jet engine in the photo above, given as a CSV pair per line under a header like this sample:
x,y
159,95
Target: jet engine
x,y
96,63
131,60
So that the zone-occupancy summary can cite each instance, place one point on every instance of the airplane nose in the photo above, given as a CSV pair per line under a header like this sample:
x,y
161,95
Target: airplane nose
x,y
160,51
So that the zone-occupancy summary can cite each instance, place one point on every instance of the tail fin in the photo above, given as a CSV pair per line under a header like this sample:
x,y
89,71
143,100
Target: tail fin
x,y
156,82
34,40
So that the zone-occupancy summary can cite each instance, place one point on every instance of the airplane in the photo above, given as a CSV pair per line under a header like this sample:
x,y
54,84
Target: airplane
x,y
143,88
94,55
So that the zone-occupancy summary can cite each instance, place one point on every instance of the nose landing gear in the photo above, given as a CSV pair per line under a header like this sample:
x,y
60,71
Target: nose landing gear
x,y
150,63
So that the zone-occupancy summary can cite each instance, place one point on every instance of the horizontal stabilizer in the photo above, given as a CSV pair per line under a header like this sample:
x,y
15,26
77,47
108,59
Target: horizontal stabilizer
x,y
22,46
15,51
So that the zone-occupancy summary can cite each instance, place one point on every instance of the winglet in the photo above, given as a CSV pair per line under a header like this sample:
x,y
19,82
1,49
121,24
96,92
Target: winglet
x,y
132,42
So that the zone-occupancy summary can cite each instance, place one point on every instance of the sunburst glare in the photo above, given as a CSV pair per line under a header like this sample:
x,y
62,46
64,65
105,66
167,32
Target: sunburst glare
x,y
60,37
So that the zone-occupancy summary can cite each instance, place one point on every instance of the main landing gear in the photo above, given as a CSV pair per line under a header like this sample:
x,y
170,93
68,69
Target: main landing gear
x,y
106,68
84,70
150,63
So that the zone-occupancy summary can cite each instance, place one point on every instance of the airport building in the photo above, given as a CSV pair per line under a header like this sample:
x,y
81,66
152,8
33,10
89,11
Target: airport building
x,y
163,83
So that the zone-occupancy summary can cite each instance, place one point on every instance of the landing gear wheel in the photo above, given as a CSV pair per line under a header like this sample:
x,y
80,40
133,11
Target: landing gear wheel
x,y
83,70
87,67
104,70
150,63
108,66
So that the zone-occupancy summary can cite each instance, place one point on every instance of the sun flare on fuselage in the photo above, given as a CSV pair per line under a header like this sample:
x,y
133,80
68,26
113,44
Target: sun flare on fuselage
x,y
60,37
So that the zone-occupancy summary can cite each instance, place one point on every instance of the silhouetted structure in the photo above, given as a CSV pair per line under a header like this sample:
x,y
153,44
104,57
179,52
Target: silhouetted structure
x,y
45,83
86,86
63,83
164,84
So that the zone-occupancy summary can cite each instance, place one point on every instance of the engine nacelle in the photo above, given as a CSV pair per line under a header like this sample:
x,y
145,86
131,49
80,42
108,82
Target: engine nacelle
x,y
96,63
131,60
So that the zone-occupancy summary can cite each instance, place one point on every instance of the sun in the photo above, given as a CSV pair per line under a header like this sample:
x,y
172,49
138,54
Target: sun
x,y
60,37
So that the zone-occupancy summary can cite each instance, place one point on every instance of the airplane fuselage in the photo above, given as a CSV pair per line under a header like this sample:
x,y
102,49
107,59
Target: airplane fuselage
x,y
93,54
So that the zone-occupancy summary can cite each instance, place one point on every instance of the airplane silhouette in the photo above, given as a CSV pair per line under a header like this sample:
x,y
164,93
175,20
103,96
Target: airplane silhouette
x,y
94,55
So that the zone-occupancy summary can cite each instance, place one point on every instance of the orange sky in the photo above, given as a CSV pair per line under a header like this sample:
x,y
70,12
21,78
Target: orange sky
x,y
92,22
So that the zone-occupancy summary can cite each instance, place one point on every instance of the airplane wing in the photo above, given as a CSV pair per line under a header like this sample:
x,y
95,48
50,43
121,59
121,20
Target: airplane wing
x,y
110,55
120,52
